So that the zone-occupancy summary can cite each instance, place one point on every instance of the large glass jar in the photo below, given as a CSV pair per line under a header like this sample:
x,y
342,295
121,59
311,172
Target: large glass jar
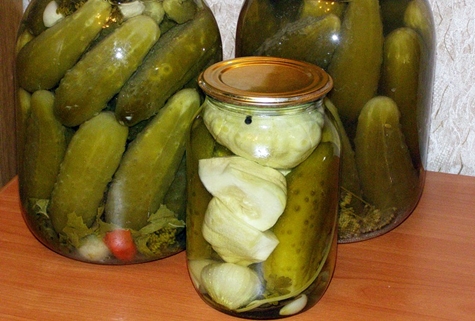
x,y
263,172
380,54
106,93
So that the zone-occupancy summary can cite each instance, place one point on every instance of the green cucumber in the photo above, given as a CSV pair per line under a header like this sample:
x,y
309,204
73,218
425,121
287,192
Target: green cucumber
x,y
306,228
356,63
175,59
400,81
98,76
43,61
310,39
150,163
387,176
91,159
45,145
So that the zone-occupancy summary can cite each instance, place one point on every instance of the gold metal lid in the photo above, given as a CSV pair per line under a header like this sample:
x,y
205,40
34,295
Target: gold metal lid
x,y
264,81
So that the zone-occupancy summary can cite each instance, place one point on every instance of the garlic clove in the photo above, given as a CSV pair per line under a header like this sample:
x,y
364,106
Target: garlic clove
x,y
131,9
51,15
295,306
231,285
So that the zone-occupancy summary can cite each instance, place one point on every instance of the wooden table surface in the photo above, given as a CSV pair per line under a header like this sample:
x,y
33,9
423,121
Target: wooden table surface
x,y
422,270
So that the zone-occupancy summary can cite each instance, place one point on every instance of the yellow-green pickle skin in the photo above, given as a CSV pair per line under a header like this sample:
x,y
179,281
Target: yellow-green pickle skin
x,y
177,57
101,73
150,163
91,159
387,175
355,66
306,228
43,61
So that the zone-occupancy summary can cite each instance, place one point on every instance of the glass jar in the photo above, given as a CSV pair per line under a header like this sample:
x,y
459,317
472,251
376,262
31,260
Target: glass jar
x,y
102,85
380,54
263,172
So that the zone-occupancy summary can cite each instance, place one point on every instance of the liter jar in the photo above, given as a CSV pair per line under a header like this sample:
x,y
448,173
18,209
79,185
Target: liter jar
x,y
102,121
263,170
380,54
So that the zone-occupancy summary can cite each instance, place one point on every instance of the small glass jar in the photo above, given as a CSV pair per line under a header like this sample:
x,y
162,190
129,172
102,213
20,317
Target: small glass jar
x,y
380,55
263,173
100,158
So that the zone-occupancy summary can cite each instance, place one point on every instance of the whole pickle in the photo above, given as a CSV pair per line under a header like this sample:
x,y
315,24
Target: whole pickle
x,y
309,39
387,176
98,76
150,163
91,159
174,60
400,81
45,145
259,15
356,63
305,229
43,61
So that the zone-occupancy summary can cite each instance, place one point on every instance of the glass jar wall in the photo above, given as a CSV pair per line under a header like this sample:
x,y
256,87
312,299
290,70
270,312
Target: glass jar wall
x,y
106,93
263,172
380,54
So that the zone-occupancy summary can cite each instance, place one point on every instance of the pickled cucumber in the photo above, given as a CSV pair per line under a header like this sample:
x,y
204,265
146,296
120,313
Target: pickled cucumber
x,y
400,81
309,39
43,61
91,159
178,56
305,229
392,13
202,146
255,15
387,176
150,163
45,145
356,63
98,76
179,11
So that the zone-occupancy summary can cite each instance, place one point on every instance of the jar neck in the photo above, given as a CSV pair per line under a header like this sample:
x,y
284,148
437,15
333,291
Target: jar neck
x,y
270,110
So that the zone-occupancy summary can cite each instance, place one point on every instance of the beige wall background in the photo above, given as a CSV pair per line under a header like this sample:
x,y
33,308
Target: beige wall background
x,y
452,138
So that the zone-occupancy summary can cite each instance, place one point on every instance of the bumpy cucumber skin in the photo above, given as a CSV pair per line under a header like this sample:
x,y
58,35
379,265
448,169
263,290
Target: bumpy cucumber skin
x,y
400,81
387,176
173,61
91,159
200,145
306,228
310,39
43,61
150,163
356,64
98,76
45,145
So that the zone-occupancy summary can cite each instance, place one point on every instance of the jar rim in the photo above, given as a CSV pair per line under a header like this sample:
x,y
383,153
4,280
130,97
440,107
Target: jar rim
x,y
265,81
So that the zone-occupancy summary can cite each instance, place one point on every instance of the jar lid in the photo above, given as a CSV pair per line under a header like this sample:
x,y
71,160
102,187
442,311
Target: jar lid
x,y
264,81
